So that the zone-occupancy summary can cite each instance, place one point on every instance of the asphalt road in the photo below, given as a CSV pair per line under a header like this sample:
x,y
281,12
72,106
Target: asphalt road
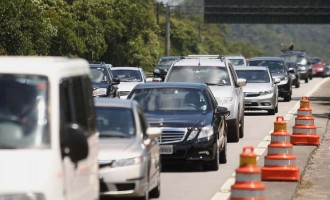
x,y
187,181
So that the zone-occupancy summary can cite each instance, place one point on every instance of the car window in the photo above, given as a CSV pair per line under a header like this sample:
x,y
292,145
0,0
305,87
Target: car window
x,y
237,61
166,62
171,100
126,75
115,122
204,74
274,66
254,76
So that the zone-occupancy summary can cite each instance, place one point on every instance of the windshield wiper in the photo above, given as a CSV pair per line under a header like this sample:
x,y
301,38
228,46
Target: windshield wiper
x,y
219,84
6,146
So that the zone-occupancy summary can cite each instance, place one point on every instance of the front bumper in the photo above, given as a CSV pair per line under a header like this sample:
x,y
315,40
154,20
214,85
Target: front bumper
x,y
126,181
264,102
193,150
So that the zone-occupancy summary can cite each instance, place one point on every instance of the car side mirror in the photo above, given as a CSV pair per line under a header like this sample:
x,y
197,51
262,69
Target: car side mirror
x,y
76,144
154,132
276,80
222,111
115,81
241,82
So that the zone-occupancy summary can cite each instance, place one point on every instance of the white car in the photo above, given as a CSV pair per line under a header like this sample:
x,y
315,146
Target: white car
x,y
129,157
260,92
237,60
129,78
218,73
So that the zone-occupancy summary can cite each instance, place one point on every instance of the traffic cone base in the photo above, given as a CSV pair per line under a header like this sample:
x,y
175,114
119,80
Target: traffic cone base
x,y
248,191
303,139
280,173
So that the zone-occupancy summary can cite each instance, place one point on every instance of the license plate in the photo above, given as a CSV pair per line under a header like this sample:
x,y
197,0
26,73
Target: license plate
x,y
166,149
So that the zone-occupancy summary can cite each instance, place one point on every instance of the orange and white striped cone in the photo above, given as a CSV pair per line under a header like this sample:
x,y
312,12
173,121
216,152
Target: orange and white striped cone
x,y
280,160
304,130
248,185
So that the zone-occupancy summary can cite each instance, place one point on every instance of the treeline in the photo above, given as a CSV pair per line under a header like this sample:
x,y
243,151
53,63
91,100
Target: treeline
x,y
120,32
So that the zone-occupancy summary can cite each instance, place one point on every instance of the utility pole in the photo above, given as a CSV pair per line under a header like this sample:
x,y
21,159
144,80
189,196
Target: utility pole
x,y
167,33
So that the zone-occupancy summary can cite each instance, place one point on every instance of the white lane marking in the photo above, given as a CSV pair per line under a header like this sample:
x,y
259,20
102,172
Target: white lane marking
x,y
224,193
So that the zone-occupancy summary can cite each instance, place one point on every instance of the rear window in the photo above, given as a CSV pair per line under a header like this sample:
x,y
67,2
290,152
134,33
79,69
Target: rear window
x,y
206,74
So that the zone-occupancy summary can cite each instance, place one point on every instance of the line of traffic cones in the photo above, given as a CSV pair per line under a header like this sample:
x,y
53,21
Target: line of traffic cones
x,y
279,162
248,185
304,130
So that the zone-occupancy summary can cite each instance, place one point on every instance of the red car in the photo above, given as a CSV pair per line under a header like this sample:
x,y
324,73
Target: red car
x,y
318,67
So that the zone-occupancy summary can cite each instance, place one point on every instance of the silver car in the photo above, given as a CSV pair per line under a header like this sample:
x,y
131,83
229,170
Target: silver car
x,y
129,158
260,92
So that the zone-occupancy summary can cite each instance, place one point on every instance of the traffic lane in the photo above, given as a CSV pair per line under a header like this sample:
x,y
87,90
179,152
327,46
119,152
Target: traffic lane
x,y
186,181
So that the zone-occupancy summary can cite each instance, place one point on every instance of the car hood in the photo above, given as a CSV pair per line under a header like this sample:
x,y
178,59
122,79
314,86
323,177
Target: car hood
x,y
127,86
221,91
119,148
179,120
257,87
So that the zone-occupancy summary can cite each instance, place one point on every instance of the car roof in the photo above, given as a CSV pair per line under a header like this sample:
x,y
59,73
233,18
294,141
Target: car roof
x,y
171,85
109,102
126,68
200,62
267,58
251,68
51,66
234,56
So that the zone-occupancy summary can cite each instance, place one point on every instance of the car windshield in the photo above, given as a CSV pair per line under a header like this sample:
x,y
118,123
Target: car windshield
x,y
236,61
274,66
98,75
210,75
316,60
176,100
115,122
23,112
166,62
254,76
126,75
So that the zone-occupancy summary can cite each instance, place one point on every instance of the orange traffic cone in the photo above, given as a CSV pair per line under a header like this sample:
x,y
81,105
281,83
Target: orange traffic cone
x,y
280,161
304,130
248,185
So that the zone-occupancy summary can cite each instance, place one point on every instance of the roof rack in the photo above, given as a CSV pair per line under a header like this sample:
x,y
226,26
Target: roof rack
x,y
221,57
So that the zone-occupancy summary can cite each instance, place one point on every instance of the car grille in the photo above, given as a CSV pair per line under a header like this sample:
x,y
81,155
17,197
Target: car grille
x,y
172,135
251,94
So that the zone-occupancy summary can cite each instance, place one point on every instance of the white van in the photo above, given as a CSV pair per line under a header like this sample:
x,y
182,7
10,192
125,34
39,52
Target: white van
x,y
48,134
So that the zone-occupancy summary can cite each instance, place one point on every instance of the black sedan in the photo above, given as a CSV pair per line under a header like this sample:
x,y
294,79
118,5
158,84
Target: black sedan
x,y
193,125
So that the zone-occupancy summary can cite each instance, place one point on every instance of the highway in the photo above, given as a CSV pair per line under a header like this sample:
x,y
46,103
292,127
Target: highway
x,y
188,181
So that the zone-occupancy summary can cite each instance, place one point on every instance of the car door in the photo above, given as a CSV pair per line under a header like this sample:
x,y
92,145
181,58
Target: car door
x,y
238,94
153,154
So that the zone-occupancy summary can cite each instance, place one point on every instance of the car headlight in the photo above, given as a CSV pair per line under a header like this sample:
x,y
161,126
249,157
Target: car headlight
x,y
127,162
205,132
156,70
99,92
265,92
224,100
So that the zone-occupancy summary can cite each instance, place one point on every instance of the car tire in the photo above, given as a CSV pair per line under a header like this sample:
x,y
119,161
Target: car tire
x,y
276,109
287,98
306,80
223,153
297,84
233,132
271,111
155,193
241,127
213,165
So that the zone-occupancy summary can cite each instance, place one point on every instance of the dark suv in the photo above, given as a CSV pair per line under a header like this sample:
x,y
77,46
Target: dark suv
x,y
103,81
303,62
278,69
163,66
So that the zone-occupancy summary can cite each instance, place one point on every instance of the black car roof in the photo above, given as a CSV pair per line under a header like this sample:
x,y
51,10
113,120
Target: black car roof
x,y
172,84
